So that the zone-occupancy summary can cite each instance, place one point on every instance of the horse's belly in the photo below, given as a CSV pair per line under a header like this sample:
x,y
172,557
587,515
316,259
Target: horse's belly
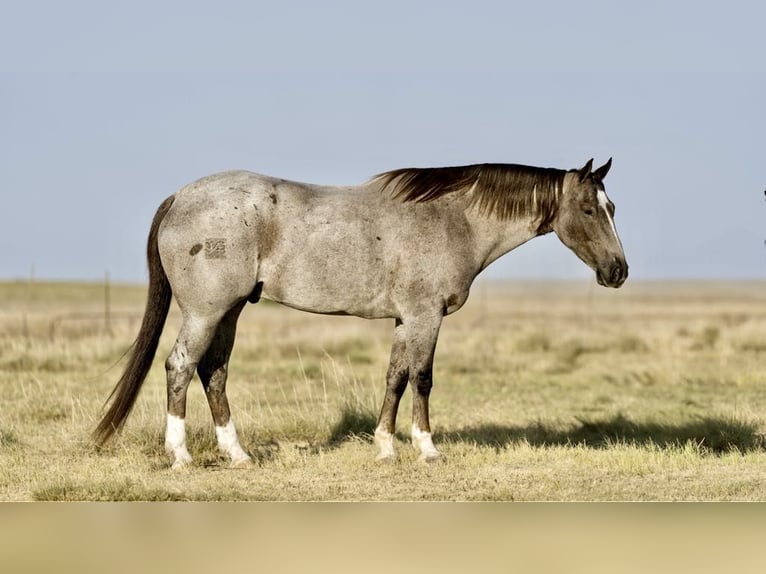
x,y
320,297
328,285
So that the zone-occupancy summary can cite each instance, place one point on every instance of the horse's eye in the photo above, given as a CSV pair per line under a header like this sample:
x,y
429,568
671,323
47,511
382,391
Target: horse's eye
x,y
588,211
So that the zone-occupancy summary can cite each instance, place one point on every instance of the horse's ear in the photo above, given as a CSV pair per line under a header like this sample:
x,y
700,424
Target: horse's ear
x,y
585,171
601,172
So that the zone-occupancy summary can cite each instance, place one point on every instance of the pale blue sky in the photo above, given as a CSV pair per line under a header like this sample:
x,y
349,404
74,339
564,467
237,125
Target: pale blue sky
x,y
108,107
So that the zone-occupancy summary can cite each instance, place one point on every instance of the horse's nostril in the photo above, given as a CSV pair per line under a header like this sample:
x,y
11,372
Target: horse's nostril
x,y
616,275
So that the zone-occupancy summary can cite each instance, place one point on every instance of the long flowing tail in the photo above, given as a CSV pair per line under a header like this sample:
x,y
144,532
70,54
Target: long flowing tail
x,y
145,346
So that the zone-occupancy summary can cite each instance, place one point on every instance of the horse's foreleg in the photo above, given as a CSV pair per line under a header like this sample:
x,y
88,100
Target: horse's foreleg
x,y
412,356
422,333
213,371
193,340
396,383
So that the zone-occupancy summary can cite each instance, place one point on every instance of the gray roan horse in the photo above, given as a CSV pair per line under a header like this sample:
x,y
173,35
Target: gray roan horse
x,y
406,245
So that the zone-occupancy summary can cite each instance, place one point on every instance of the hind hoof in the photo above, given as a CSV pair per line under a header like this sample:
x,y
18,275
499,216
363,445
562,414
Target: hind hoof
x,y
181,464
241,463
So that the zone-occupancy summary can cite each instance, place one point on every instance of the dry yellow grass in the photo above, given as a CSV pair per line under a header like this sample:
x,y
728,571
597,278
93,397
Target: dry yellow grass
x,y
562,391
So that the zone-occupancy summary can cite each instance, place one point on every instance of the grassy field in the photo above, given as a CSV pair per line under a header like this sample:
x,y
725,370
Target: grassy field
x,y
562,391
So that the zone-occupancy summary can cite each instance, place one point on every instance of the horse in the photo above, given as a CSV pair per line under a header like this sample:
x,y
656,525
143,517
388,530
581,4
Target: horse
x,y
406,245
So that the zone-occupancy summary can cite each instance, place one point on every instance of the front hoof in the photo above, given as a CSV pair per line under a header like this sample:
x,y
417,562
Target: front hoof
x,y
430,457
386,457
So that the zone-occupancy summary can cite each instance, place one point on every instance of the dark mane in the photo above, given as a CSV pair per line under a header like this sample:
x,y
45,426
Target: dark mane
x,y
506,191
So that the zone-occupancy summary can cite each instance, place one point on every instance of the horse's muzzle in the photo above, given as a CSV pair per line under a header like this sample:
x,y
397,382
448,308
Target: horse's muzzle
x,y
613,275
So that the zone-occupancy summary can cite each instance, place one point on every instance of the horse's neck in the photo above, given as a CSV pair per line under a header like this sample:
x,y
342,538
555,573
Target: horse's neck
x,y
494,237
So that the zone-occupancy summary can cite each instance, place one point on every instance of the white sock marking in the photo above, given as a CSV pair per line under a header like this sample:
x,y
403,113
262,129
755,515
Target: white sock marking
x,y
175,441
384,440
421,440
229,443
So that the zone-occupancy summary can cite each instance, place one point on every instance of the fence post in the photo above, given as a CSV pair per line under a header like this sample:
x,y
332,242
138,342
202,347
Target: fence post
x,y
107,304
27,300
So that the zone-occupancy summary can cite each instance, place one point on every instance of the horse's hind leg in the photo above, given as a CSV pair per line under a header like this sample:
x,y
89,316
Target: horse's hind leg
x,y
213,371
192,342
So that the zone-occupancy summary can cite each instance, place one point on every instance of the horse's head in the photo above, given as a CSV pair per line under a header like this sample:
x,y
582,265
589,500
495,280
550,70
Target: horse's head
x,y
585,224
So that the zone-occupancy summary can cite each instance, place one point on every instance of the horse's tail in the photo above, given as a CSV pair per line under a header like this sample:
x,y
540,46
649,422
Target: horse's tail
x,y
124,394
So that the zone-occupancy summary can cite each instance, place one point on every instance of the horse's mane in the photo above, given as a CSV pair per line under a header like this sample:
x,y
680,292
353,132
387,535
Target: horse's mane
x,y
506,191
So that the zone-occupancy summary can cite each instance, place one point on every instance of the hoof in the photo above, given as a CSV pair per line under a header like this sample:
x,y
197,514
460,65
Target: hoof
x,y
430,457
386,457
241,463
181,464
